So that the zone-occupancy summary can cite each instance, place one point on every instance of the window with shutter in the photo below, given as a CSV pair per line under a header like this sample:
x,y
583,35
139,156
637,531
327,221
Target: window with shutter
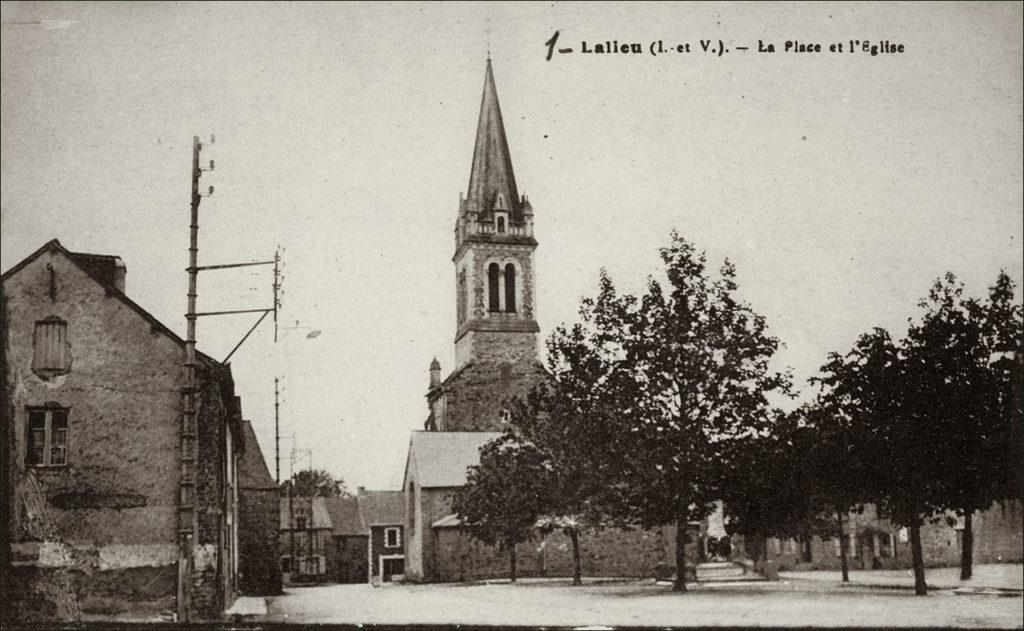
x,y
50,348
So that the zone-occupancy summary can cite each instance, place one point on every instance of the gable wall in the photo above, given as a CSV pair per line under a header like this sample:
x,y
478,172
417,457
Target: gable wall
x,y
115,500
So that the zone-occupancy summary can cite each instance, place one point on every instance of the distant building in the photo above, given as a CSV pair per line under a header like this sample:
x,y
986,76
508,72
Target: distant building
x,y
873,542
305,539
348,560
383,514
259,569
95,497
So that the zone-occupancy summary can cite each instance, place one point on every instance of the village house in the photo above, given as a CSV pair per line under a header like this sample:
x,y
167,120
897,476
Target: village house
x,y
259,569
874,542
348,561
305,539
95,499
383,515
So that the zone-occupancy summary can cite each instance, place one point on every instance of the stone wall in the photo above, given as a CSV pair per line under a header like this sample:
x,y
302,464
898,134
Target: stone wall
x,y
475,396
609,552
259,565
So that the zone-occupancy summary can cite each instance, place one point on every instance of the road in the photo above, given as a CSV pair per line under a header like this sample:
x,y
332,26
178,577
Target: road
x,y
539,602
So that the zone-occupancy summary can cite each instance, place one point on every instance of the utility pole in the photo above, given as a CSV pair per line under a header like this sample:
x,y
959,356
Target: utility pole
x,y
187,525
291,508
277,429
187,513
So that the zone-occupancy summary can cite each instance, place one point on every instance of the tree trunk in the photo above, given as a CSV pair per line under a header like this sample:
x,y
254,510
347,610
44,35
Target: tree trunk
x,y
843,561
967,546
577,571
681,537
512,563
920,587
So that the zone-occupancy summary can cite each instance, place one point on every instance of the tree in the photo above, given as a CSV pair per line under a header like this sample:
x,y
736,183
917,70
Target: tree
x,y
684,370
570,433
967,347
774,487
504,495
887,392
318,482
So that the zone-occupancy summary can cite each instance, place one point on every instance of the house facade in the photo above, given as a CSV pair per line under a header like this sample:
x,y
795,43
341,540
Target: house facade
x,y
305,540
874,542
92,447
383,514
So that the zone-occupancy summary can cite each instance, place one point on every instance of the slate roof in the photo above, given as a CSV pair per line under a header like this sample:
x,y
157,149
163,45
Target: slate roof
x,y
491,174
321,518
345,516
441,458
252,467
382,508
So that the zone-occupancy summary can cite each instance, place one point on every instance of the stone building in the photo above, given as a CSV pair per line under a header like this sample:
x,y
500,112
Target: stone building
x,y
873,542
383,515
92,450
259,570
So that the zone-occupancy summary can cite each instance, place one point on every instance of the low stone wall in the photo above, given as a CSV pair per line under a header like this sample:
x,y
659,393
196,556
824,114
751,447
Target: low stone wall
x,y
609,552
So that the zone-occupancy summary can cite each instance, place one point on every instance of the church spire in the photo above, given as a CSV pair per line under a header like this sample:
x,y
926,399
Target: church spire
x,y
491,180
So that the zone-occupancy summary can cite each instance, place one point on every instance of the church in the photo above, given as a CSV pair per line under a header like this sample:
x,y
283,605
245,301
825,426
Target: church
x,y
496,350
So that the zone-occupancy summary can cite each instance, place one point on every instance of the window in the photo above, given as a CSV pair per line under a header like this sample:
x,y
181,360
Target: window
x,y
300,523
47,441
493,276
501,224
884,542
510,288
392,537
50,348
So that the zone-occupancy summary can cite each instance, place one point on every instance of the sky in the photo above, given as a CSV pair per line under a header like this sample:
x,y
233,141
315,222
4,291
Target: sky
x,y
841,185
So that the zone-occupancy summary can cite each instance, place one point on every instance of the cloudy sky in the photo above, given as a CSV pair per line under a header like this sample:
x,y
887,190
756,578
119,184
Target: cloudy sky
x,y
839,184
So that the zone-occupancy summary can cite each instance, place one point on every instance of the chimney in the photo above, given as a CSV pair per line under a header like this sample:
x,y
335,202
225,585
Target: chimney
x,y
120,272
435,374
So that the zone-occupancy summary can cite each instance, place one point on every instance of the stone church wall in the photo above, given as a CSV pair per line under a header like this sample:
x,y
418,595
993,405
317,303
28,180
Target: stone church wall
x,y
475,397
610,552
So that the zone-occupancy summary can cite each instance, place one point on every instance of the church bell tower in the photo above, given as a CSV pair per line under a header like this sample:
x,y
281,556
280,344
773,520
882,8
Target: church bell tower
x,y
494,247
495,323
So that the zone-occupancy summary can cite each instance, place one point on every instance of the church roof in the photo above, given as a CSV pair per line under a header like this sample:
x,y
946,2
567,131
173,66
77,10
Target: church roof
x,y
491,180
441,458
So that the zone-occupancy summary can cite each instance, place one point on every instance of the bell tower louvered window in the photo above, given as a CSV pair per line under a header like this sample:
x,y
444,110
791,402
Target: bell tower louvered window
x,y
510,288
493,295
